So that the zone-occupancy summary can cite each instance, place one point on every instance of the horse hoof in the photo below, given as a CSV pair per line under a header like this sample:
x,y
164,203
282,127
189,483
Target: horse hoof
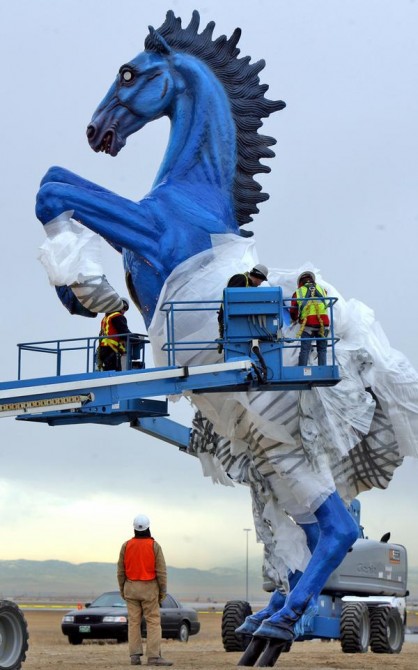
x,y
252,652
273,631
271,653
249,626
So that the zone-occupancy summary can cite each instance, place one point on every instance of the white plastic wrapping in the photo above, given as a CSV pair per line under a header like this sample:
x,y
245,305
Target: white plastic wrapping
x,y
294,449
72,257
71,252
202,277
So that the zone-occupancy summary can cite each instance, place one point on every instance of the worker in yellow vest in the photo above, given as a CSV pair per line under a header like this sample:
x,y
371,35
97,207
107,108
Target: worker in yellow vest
x,y
112,346
310,308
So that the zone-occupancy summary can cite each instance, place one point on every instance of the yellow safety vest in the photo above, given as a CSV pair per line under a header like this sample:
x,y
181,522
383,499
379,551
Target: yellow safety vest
x,y
311,307
107,328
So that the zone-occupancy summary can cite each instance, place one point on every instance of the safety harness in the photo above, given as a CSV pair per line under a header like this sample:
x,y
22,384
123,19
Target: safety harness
x,y
311,307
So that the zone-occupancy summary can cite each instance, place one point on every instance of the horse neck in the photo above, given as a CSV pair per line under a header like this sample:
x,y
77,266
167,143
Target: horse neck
x,y
202,143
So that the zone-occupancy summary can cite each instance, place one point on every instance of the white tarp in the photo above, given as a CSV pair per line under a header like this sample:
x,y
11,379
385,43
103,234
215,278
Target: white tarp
x,y
294,448
72,256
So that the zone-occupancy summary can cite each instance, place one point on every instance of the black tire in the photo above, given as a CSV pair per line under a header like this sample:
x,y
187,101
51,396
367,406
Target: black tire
x,y
183,634
13,636
233,615
75,639
387,633
355,628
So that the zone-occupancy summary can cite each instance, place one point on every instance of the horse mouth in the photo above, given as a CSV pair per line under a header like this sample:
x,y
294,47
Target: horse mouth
x,y
107,145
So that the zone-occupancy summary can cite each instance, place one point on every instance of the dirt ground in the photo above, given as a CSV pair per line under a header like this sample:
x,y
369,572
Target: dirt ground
x,y
49,650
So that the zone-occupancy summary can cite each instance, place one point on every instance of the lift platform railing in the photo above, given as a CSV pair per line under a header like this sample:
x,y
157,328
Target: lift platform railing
x,y
87,347
331,339
255,321
254,343
172,307
277,334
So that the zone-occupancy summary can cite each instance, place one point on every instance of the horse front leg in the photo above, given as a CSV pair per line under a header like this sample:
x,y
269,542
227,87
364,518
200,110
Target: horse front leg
x,y
57,174
338,532
118,220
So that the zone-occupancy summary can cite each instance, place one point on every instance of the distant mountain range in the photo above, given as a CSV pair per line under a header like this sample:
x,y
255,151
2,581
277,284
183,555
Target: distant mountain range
x,y
61,580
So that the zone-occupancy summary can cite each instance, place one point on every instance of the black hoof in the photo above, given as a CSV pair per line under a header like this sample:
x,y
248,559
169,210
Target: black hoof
x,y
272,653
253,651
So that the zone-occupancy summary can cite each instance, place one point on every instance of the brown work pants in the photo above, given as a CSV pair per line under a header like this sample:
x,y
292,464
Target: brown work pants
x,y
142,599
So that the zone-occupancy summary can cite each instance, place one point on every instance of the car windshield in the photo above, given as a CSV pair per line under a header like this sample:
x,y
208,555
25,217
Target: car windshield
x,y
109,600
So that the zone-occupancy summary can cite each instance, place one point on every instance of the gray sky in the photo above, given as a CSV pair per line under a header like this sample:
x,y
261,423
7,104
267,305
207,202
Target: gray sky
x,y
343,194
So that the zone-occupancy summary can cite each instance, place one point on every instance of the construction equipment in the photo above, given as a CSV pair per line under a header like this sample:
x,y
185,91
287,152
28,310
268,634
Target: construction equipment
x,y
258,355
255,353
13,636
362,604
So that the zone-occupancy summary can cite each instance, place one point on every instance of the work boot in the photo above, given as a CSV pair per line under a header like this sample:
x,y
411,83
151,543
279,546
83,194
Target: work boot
x,y
158,660
136,659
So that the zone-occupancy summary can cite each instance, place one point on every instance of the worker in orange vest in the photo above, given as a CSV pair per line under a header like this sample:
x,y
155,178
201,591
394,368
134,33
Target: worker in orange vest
x,y
112,345
142,579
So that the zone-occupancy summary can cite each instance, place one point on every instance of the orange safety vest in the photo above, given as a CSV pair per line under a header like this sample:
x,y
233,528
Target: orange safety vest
x,y
139,559
107,328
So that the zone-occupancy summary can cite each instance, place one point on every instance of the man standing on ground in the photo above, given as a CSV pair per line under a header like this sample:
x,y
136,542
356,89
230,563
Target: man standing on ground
x,y
142,578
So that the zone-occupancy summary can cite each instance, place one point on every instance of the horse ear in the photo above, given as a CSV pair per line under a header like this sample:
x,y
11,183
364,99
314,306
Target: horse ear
x,y
156,42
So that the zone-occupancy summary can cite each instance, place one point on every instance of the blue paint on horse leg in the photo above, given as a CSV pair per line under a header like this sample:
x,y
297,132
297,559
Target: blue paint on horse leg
x,y
71,303
338,532
312,532
276,602
278,598
64,176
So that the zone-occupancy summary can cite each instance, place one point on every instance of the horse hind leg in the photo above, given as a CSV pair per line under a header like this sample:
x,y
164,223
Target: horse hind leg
x,y
253,621
278,598
338,532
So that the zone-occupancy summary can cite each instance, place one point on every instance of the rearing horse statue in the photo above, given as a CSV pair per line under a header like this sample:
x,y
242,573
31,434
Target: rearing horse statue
x,y
304,455
205,184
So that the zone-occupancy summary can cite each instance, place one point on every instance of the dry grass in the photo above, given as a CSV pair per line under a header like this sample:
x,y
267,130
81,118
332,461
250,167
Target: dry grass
x,y
49,650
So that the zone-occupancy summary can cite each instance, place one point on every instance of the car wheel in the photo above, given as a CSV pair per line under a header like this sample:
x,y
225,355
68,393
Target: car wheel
x,y
183,635
387,631
13,636
75,639
234,614
121,639
355,628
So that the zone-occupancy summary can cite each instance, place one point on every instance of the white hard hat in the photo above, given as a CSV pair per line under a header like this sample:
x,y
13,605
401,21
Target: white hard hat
x,y
260,271
125,300
306,273
141,522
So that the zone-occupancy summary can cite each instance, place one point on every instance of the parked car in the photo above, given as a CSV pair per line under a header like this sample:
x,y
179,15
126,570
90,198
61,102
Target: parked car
x,y
107,618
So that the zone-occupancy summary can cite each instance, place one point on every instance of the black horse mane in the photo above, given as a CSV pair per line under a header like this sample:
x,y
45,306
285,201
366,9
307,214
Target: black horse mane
x,y
246,96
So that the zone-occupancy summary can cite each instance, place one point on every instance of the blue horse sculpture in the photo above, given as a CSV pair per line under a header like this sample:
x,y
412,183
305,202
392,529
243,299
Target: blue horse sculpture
x,y
205,187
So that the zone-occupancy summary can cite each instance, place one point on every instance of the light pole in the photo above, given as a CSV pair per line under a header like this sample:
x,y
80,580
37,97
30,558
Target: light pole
x,y
246,530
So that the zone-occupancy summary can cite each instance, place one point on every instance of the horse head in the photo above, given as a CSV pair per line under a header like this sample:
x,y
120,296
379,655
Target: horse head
x,y
143,91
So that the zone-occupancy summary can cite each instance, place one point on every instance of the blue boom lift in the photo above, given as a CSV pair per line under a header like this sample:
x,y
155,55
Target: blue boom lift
x,y
254,359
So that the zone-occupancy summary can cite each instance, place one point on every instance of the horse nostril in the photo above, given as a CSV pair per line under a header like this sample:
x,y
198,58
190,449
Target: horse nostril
x,y
91,131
